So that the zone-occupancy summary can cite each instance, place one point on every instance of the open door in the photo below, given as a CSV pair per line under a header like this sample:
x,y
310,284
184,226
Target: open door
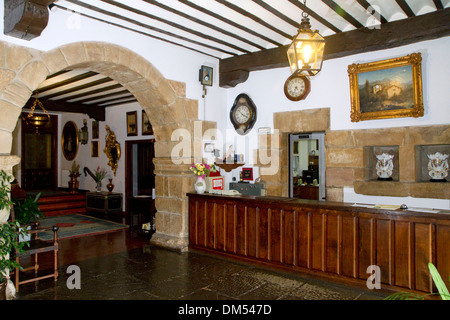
x,y
140,182
307,165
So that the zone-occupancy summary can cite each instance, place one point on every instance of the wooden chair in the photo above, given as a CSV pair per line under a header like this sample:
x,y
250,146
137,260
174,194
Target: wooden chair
x,y
36,247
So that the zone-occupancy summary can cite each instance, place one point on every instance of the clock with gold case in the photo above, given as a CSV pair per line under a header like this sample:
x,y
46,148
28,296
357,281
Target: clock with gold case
x,y
297,87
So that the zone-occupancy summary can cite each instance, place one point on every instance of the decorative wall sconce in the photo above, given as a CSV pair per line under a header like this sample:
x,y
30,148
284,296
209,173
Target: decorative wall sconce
x,y
83,134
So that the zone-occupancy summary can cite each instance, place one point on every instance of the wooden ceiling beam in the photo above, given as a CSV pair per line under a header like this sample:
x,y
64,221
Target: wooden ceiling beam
x,y
394,34
95,112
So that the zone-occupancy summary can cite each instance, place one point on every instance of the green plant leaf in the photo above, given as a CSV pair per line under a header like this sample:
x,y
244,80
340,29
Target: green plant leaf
x,y
440,285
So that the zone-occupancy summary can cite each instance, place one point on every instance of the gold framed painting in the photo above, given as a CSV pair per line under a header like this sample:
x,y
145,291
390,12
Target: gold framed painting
x,y
386,89
147,128
132,123
94,149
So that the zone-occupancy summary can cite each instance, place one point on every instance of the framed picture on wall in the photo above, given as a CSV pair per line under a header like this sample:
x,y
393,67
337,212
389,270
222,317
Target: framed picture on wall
x,y
94,149
94,129
69,140
146,125
132,123
247,174
386,89
206,76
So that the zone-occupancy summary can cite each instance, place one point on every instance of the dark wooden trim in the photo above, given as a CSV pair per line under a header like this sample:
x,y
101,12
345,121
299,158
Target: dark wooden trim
x,y
394,34
108,95
253,17
175,25
438,4
234,24
405,7
368,6
203,23
277,13
97,112
106,105
143,25
129,97
77,88
344,14
88,93
67,81
134,30
336,240
315,15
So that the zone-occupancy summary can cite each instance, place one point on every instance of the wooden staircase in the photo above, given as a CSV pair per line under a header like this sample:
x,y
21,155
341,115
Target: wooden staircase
x,y
62,204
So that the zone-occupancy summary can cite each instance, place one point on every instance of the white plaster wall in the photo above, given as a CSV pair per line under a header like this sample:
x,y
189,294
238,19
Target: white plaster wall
x,y
331,89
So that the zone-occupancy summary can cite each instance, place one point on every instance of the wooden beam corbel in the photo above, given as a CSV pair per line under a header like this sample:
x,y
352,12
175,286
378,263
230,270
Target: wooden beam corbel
x,y
25,19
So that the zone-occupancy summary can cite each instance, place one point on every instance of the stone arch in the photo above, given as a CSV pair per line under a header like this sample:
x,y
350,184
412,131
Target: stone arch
x,y
23,69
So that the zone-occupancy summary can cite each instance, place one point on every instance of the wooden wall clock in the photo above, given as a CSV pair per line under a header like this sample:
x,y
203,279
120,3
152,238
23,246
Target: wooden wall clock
x,y
297,87
243,114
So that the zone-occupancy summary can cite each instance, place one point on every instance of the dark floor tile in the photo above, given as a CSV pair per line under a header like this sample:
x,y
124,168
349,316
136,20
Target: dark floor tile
x,y
152,273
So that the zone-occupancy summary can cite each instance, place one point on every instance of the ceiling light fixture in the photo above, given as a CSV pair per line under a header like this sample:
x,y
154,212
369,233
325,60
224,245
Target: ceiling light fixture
x,y
305,53
37,120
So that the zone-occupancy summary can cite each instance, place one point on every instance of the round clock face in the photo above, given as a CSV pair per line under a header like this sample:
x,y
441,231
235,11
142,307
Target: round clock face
x,y
297,87
242,114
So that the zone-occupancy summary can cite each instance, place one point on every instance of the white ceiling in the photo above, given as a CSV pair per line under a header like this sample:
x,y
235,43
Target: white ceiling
x,y
225,28
218,28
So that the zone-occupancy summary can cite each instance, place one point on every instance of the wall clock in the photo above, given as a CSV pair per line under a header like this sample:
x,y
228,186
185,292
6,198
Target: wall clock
x,y
297,87
243,114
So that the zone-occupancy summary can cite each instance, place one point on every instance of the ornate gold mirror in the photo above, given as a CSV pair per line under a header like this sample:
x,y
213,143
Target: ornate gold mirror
x,y
112,149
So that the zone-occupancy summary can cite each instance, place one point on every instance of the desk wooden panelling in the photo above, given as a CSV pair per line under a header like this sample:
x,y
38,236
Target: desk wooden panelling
x,y
340,242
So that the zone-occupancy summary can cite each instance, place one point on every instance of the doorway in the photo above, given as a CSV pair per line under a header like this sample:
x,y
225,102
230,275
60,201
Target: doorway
x,y
140,182
39,156
307,165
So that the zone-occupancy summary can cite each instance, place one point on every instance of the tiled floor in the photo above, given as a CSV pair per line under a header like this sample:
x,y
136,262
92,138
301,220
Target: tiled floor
x,y
153,273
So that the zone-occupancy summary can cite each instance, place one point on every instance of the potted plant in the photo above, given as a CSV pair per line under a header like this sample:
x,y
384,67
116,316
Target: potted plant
x,y
100,174
27,212
9,235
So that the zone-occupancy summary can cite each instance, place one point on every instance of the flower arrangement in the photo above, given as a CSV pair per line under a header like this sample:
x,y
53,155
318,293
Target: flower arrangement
x,y
202,169
99,174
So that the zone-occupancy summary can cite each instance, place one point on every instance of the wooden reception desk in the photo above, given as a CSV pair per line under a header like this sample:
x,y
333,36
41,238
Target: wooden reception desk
x,y
337,240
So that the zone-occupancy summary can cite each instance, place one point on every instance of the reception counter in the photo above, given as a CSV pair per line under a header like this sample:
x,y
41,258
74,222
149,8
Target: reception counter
x,y
338,240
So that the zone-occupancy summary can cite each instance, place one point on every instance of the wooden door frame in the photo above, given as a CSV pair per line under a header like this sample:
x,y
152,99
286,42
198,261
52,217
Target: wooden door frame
x,y
54,131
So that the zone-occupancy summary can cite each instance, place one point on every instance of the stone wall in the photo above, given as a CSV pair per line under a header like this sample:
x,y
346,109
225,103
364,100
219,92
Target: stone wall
x,y
344,156
345,165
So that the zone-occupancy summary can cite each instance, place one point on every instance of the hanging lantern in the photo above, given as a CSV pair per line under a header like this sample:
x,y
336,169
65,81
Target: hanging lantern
x,y
305,53
37,120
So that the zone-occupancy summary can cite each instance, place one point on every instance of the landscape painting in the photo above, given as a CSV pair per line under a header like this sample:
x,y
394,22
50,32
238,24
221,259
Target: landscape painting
x,y
386,89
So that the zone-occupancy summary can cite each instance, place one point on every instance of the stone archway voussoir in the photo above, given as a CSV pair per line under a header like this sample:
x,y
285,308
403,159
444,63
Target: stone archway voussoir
x,y
33,74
